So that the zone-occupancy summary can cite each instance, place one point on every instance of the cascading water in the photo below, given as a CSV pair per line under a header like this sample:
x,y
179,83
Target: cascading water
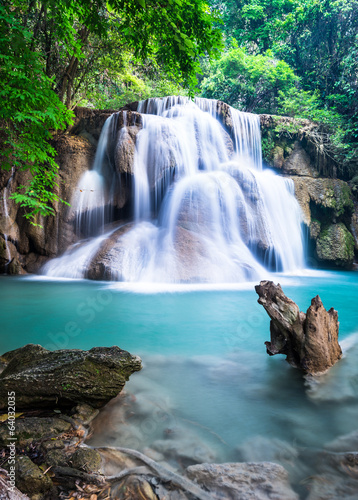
x,y
204,210
6,214
90,202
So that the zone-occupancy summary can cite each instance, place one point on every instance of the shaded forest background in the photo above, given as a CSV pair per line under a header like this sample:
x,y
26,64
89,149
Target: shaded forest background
x,y
288,57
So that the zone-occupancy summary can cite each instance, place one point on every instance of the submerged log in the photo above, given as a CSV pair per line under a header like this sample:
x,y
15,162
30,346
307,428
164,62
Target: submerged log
x,y
310,341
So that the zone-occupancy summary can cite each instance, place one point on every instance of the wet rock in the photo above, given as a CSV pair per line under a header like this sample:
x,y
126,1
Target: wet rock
x,y
315,229
246,481
336,477
42,378
348,442
107,264
30,478
267,449
125,149
183,447
335,245
310,341
327,198
86,459
31,429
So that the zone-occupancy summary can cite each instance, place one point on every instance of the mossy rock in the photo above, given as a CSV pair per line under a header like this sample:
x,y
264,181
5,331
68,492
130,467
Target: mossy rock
x,y
29,477
335,245
42,378
30,429
86,459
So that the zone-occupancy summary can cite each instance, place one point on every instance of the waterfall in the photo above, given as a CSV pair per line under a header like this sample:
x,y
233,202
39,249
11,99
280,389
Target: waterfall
x,y
91,195
6,214
204,208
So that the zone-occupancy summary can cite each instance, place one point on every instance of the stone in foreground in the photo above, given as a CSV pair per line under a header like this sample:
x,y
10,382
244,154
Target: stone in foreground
x,y
244,481
310,341
42,378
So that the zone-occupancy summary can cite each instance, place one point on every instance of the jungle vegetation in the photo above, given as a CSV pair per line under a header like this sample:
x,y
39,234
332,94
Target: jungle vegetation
x,y
290,57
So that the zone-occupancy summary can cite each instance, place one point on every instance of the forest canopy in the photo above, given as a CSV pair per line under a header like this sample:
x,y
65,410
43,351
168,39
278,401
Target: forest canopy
x,y
289,57
318,40
53,50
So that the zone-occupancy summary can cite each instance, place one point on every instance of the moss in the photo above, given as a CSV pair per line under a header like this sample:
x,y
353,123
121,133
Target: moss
x,y
273,140
335,245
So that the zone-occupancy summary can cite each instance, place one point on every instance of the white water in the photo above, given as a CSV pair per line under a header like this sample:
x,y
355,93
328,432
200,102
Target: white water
x,y
6,214
204,209
75,261
91,197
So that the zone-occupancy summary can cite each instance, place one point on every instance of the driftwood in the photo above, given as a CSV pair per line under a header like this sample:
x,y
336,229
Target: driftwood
x,y
160,471
310,341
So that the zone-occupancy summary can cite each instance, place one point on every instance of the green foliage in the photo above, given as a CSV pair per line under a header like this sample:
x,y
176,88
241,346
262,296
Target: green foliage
x,y
249,82
113,87
29,111
55,53
319,41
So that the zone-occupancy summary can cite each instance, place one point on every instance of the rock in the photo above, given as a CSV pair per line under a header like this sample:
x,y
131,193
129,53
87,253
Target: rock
x,y
42,378
84,413
278,157
244,481
125,149
30,429
348,442
315,229
324,199
57,457
336,477
268,449
138,487
107,263
30,478
184,450
339,386
7,491
310,341
354,225
298,162
182,446
335,245
31,244
86,459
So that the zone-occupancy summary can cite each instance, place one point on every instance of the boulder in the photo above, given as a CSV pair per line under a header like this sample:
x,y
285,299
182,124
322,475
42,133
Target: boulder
x,y
298,162
325,198
31,429
30,478
86,459
335,245
310,341
42,378
108,261
244,481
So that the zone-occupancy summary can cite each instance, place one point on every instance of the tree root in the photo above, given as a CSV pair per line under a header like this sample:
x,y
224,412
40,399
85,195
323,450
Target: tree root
x,y
162,472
